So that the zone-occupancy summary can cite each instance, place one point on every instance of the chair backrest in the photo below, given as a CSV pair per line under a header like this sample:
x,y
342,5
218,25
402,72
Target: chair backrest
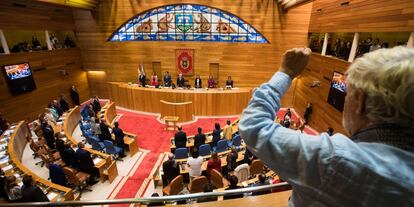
x,y
71,176
256,167
204,150
242,172
216,178
181,153
95,144
176,185
109,147
221,146
45,158
34,146
237,140
197,185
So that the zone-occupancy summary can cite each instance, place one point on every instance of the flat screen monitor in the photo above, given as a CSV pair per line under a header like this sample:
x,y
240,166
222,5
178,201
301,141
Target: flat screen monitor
x,y
337,91
19,78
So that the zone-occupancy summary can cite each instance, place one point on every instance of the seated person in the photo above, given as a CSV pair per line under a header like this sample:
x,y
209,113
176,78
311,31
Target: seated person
x,y
57,175
68,156
12,188
31,192
248,157
86,163
207,189
171,169
4,125
233,185
229,82
49,135
261,182
105,133
199,139
180,81
180,138
197,82
211,82
156,203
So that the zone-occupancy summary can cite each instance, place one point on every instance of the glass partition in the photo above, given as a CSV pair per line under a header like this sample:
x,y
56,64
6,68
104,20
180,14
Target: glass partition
x,y
62,39
25,40
339,45
315,41
369,42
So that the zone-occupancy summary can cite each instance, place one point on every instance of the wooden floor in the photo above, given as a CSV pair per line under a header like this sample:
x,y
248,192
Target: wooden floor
x,y
279,199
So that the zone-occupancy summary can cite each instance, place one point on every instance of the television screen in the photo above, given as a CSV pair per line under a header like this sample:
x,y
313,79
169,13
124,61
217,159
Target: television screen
x,y
17,71
337,91
19,78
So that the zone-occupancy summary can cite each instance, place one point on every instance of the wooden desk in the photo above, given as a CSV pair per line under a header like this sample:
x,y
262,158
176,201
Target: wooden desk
x,y
70,121
185,170
184,111
213,102
109,116
15,148
168,120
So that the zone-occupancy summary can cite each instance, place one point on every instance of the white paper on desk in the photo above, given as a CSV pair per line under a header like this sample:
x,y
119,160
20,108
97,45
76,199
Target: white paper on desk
x,y
97,160
2,153
7,168
52,195
244,184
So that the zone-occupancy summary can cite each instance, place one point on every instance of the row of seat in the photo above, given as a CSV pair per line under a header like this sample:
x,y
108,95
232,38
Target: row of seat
x,y
205,149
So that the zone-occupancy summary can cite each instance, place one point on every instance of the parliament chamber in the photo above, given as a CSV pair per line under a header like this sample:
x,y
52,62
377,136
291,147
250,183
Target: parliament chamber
x,y
171,103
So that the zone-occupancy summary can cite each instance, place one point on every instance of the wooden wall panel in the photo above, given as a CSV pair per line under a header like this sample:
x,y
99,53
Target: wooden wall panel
x,y
30,15
362,16
248,64
320,68
50,83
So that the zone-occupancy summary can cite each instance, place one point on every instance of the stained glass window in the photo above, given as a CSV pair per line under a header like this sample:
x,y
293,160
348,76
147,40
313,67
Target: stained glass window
x,y
187,22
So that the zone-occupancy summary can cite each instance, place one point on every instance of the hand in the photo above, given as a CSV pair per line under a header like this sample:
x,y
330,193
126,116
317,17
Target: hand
x,y
294,61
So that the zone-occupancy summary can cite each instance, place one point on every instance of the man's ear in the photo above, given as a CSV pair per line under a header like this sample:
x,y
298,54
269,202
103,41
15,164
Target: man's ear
x,y
360,101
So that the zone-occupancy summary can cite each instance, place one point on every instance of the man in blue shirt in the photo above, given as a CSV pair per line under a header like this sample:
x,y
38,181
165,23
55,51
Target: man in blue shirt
x,y
372,167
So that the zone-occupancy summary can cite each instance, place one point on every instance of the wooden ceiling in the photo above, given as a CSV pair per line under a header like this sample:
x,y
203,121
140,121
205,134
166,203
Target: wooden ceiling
x,y
82,4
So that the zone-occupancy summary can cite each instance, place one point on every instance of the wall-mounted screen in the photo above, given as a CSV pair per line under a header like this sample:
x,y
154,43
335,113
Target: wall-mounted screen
x,y
337,92
19,78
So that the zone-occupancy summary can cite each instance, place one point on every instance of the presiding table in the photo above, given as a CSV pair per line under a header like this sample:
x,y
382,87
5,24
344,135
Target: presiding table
x,y
206,102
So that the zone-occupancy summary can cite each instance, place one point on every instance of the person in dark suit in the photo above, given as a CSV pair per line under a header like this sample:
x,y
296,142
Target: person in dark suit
x,y
85,162
96,104
57,175
68,156
56,106
74,95
3,193
142,79
307,113
180,138
167,79
216,135
261,182
30,192
233,185
105,134
229,82
197,82
171,169
180,80
49,135
119,138
64,103
288,113
199,138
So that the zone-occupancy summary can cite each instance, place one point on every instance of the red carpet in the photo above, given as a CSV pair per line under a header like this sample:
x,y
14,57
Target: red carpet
x,y
152,136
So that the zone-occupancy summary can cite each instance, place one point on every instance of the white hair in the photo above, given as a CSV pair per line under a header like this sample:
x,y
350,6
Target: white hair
x,y
386,77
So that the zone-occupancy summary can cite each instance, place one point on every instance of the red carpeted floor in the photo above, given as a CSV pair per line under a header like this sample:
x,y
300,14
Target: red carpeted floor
x,y
152,136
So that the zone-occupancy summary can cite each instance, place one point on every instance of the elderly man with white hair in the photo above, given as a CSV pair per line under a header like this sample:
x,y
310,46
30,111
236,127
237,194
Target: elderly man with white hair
x,y
374,166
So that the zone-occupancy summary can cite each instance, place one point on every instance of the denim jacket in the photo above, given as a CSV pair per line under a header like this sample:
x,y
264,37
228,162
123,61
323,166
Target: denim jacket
x,y
328,170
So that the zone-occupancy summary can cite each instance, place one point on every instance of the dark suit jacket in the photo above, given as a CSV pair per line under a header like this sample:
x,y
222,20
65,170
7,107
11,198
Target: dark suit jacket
x,y
199,139
229,83
180,139
199,84
96,106
68,156
142,79
58,110
75,97
119,136
171,170
85,160
105,134
216,137
64,105
167,80
33,194
57,175
49,135
180,82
